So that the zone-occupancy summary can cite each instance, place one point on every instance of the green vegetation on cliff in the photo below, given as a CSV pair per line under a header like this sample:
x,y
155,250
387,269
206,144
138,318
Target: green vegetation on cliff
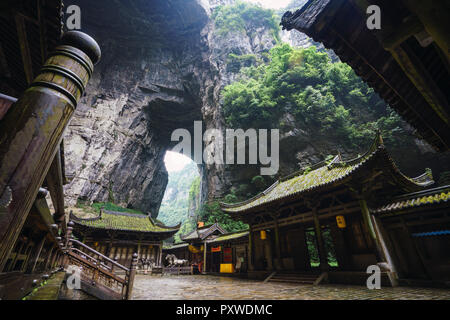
x,y
326,98
246,18
211,213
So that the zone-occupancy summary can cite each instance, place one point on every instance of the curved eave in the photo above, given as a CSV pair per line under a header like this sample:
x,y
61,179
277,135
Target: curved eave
x,y
162,232
431,198
377,156
80,222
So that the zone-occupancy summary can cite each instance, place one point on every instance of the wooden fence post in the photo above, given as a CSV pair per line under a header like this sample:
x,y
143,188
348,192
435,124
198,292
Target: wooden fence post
x,y
131,276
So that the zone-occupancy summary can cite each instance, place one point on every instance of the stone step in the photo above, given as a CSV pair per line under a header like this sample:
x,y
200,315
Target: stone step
x,y
305,275
300,281
294,277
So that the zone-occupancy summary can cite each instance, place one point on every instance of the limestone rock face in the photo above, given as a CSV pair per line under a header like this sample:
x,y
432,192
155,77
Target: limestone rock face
x,y
163,66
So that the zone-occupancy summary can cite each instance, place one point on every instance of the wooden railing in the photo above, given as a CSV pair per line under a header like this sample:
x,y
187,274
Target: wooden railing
x,y
110,279
178,270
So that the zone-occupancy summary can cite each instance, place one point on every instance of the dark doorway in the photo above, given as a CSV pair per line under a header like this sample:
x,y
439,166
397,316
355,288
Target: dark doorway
x,y
329,247
313,250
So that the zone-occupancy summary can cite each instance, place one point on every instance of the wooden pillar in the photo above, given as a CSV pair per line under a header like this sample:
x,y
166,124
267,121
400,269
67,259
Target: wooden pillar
x,y
160,255
268,252
131,276
139,249
32,130
68,243
109,248
55,186
387,249
36,255
278,245
250,250
320,243
369,225
205,250
340,247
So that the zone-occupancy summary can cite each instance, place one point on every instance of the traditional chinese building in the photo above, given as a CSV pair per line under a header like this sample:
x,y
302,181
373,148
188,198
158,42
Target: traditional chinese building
x,y
118,235
325,213
405,60
417,229
228,253
210,248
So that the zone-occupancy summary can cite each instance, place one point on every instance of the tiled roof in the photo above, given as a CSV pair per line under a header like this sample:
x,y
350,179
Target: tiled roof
x,y
230,236
324,174
176,246
112,220
203,232
418,199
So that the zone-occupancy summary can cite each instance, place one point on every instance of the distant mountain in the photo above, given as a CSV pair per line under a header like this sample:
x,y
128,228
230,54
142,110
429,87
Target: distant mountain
x,y
175,204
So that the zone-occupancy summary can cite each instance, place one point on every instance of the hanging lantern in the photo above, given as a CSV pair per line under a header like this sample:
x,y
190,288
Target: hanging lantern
x,y
194,249
263,235
341,222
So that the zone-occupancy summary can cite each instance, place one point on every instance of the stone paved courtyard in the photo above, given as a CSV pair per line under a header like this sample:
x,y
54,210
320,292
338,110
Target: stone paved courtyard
x,y
201,287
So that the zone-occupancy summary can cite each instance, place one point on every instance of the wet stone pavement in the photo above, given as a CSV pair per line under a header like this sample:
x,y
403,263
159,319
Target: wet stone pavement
x,y
204,287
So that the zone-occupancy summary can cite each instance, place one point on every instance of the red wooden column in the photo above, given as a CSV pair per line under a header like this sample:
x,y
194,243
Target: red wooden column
x,y
33,127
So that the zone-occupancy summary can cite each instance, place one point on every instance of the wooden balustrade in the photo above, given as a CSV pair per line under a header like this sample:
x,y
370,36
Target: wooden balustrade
x,y
113,279
178,270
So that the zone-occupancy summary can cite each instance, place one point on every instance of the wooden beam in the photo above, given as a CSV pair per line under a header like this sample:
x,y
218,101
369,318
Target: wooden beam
x,y
54,181
24,48
435,17
407,29
422,80
42,31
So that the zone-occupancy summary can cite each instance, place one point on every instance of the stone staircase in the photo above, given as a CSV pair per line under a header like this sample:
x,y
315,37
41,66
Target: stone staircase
x,y
295,277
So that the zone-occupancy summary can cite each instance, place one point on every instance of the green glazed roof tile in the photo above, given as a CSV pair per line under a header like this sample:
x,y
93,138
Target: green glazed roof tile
x,y
123,221
427,197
